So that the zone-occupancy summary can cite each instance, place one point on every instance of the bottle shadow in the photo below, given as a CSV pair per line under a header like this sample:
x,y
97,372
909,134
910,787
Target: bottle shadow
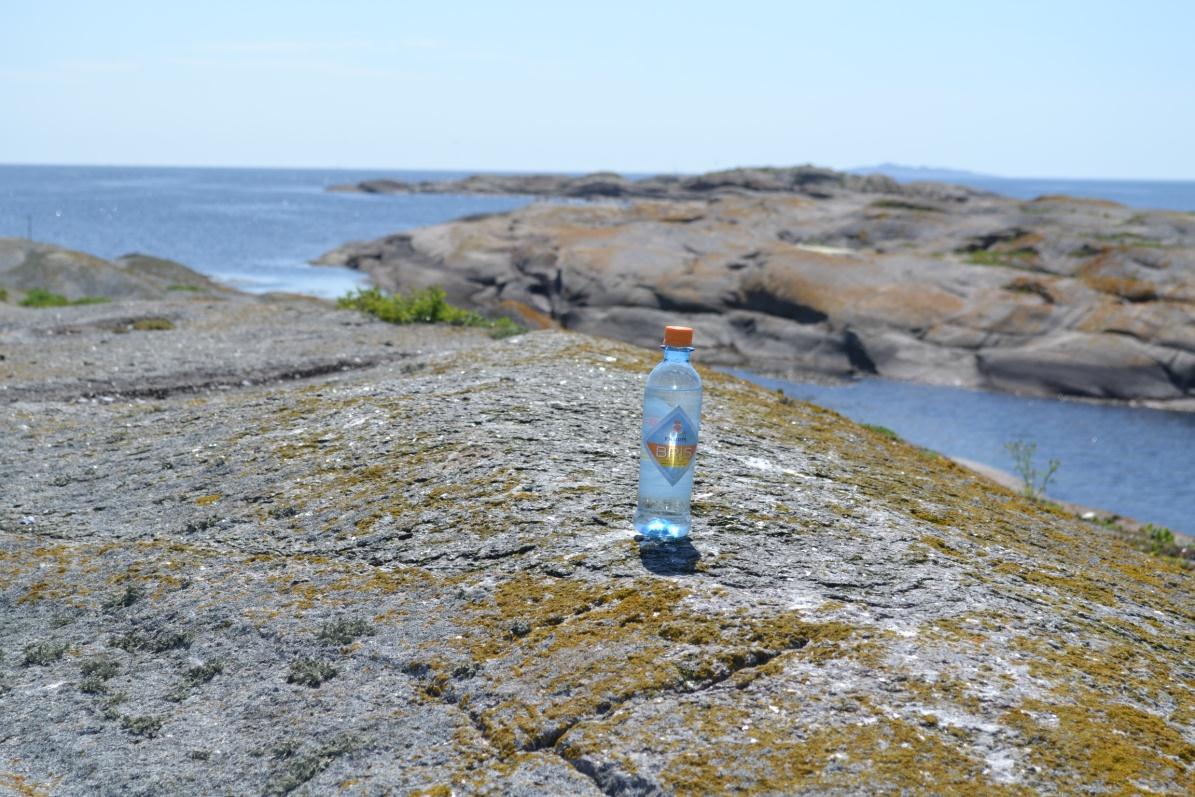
x,y
669,557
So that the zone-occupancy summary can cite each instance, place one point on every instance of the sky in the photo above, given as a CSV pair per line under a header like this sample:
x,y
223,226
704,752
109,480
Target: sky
x,y
1049,88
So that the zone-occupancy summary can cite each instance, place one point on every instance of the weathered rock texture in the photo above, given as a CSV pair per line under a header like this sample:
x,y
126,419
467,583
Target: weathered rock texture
x,y
418,577
25,265
921,282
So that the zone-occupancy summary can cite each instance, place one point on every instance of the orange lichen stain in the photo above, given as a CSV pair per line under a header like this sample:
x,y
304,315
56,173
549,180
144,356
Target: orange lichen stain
x,y
208,500
12,783
528,315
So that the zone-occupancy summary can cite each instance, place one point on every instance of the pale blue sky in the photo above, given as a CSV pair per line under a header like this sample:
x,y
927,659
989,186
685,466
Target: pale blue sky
x,y
1047,88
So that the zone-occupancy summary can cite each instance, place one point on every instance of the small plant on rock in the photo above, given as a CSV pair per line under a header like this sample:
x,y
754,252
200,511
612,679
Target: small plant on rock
x,y
125,599
342,632
196,676
158,642
42,653
309,672
142,726
1160,538
1033,481
96,672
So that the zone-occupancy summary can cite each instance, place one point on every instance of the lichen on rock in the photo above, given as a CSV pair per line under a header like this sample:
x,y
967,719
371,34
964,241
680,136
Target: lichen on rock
x,y
448,532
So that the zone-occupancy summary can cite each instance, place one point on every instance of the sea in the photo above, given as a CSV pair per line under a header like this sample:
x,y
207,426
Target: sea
x,y
258,230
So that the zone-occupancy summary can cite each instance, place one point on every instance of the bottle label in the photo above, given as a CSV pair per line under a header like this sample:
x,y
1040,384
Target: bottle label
x,y
672,445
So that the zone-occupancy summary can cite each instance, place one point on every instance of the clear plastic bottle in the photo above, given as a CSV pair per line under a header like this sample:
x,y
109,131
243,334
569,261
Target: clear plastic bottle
x,y
668,451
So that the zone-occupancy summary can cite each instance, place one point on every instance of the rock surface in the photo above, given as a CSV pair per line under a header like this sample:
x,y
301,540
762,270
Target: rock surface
x,y
25,265
418,577
920,282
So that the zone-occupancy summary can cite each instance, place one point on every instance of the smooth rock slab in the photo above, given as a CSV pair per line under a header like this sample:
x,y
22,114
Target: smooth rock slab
x,y
448,548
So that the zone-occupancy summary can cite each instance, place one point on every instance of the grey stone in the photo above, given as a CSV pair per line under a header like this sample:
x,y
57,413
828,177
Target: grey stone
x,y
839,273
851,614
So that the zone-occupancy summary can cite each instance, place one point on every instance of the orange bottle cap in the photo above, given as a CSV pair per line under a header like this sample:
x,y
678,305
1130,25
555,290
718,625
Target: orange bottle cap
x,y
678,337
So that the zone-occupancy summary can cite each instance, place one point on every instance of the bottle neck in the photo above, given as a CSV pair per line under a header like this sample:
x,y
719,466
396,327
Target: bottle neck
x,y
677,354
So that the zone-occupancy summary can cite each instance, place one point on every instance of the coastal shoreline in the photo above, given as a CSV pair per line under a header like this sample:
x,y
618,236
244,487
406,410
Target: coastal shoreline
x,y
820,271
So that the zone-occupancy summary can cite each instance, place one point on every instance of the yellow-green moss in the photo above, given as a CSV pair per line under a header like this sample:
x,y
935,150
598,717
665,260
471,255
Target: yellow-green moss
x,y
881,756
1109,746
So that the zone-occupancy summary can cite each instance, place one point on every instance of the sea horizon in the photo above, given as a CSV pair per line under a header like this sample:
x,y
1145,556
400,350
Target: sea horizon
x,y
1146,194
964,173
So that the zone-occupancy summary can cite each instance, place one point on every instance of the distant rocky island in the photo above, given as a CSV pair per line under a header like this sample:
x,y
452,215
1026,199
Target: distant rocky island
x,y
808,180
812,269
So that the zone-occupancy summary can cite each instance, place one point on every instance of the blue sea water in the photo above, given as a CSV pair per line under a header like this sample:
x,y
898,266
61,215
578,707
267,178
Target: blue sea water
x,y
256,229
1156,194
1137,462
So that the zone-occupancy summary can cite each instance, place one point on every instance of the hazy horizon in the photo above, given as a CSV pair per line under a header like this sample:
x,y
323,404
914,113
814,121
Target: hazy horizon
x,y
1067,90
482,170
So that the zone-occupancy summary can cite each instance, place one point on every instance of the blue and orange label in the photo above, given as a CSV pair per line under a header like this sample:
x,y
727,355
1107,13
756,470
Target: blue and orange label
x,y
672,445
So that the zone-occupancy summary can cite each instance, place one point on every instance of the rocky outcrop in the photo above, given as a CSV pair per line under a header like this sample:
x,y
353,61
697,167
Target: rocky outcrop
x,y
1052,296
26,265
418,577
807,180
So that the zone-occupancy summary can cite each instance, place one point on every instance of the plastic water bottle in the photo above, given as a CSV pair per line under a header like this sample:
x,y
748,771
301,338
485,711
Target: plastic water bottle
x,y
668,453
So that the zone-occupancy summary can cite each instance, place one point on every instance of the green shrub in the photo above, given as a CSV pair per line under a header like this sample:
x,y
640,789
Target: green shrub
x,y
177,287
3,294
427,306
40,297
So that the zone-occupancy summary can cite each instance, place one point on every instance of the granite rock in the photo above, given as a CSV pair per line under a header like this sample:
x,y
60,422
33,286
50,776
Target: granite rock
x,y
25,265
969,289
418,576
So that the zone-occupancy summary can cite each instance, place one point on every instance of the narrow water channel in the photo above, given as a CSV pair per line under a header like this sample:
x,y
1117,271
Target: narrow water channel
x,y
1132,461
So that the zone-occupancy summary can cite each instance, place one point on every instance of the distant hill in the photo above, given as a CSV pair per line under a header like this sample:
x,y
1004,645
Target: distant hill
x,y
908,173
